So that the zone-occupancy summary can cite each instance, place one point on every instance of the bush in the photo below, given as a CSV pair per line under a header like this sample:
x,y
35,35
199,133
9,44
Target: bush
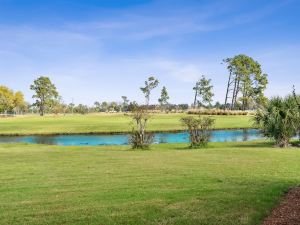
x,y
279,120
199,130
217,112
139,137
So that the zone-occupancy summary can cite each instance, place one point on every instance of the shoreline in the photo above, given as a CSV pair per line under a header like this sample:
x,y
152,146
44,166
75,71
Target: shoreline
x,y
110,132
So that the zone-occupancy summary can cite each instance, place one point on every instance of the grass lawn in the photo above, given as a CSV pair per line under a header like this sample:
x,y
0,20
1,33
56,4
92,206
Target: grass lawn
x,y
101,123
228,183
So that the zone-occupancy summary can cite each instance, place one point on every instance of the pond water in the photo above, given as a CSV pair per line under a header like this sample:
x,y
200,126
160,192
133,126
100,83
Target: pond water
x,y
122,139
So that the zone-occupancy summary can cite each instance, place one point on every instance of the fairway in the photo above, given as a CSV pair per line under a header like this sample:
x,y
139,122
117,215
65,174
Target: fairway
x,y
227,183
104,123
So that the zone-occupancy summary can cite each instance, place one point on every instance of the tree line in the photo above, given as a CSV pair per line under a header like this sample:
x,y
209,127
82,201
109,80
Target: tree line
x,y
244,91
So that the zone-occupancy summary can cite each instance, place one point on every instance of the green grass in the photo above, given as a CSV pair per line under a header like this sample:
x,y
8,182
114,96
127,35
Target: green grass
x,y
225,184
103,123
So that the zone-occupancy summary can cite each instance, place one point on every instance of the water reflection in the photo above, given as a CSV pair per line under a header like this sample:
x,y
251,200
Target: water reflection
x,y
47,140
245,135
121,139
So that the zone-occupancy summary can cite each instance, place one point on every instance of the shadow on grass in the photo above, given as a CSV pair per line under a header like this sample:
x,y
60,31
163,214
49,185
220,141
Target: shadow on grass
x,y
267,144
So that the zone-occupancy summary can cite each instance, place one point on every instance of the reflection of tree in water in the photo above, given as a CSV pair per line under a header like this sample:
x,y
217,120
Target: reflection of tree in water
x,y
245,134
45,140
210,135
162,138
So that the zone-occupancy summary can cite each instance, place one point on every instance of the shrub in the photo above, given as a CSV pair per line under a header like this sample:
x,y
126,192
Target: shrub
x,y
139,137
216,112
279,120
199,130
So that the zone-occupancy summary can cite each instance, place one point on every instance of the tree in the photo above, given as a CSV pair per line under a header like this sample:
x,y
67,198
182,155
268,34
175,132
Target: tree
x,y
81,109
19,102
104,106
203,89
71,107
296,97
246,83
125,103
10,101
45,93
150,84
139,137
164,97
132,106
279,119
97,106
7,99
199,130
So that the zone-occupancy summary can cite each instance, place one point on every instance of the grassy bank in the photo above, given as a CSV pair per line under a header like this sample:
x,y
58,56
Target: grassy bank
x,y
228,184
103,123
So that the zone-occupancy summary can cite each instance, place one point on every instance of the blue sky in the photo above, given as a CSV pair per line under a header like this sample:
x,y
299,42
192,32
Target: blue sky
x,y
101,50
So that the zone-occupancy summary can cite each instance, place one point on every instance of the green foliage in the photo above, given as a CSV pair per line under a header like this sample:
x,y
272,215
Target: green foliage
x,y
19,102
279,119
125,103
10,101
150,84
139,137
45,93
199,130
203,90
249,83
164,97
81,109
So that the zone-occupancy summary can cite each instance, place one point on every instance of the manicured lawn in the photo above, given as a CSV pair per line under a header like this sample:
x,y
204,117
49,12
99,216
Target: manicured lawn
x,y
224,184
94,123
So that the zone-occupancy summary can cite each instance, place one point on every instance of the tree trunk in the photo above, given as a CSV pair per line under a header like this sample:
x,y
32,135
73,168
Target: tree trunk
x,y
195,99
227,92
234,93
284,143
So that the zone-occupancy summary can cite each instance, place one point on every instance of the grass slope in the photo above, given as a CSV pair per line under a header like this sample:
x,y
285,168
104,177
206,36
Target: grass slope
x,y
228,184
101,123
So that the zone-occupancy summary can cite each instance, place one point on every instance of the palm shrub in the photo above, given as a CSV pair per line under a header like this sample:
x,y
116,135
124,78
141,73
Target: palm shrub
x,y
279,120
139,137
198,129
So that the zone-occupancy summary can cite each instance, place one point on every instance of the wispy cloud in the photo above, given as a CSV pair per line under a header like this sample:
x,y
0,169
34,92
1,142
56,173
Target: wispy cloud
x,y
140,23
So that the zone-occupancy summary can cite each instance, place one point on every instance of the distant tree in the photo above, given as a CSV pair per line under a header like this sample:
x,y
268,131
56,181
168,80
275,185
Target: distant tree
x,y
164,97
246,83
183,106
58,106
132,106
198,129
97,106
114,107
125,103
279,119
139,137
45,93
70,107
10,101
150,84
203,90
104,106
7,99
218,105
19,102
81,109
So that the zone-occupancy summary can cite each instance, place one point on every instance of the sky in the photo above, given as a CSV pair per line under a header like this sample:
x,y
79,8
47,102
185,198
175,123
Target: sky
x,y
100,50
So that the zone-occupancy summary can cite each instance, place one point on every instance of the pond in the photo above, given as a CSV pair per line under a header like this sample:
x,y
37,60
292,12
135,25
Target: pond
x,y
122,139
